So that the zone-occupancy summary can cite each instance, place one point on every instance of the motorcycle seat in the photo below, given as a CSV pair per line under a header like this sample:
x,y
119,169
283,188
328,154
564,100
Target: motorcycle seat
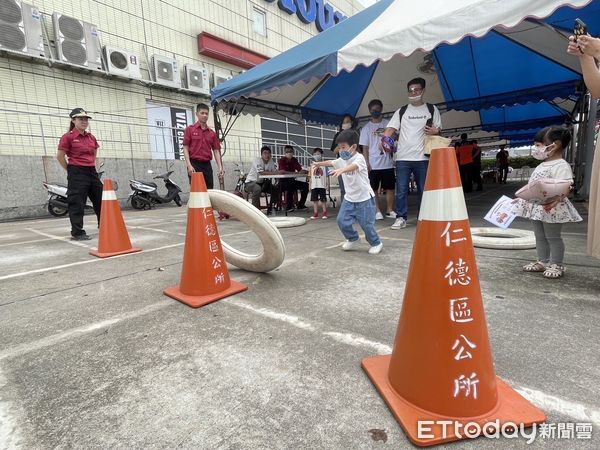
x,y
150,183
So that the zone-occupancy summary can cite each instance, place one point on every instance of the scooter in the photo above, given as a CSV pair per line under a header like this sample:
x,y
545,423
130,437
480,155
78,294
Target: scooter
x,y
57,197
144,194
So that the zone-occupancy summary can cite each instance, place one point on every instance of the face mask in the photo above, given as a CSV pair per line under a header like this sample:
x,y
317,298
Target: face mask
x,y
415,98
376,114
346,154
346,126
540,153
317,157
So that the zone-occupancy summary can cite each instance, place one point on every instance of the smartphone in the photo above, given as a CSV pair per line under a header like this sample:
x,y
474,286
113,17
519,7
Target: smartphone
x,y
429,122
579,29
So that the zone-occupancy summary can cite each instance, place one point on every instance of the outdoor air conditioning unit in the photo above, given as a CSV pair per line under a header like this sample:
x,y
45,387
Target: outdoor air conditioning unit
x,y
219,78
121,62
196,79
20,28
77,41
166,71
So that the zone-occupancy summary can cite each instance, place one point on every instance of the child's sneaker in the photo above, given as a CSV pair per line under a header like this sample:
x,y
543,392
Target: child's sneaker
x,y
391,215
315,216
325,216
350,245
376,249
378,216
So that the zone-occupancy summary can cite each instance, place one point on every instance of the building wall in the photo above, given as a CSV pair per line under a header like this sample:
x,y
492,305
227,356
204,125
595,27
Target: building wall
x,y
36,97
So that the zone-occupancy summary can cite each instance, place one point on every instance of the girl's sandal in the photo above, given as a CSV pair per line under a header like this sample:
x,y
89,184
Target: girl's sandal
x,y
554,271
537,266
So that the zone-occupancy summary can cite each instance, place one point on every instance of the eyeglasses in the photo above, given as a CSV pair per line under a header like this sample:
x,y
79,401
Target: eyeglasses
x,y
415,90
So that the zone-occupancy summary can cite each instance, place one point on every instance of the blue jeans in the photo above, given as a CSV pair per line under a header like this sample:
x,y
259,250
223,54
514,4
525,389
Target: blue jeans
x,y
364,214
403,171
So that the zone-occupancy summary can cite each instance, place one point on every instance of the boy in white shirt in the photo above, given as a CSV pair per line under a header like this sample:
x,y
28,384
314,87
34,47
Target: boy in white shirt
x,y
359,201
319,182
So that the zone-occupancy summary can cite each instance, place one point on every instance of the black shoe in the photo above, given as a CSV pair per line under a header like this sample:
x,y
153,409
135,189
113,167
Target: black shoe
x,y
290,209
302,208
269,212
81,237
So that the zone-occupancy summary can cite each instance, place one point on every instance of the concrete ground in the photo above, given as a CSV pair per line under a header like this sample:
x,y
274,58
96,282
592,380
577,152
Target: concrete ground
x,y
92,355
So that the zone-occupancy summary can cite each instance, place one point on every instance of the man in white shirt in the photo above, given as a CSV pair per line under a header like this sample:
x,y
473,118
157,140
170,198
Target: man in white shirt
x,y
412,122
254,186
379,163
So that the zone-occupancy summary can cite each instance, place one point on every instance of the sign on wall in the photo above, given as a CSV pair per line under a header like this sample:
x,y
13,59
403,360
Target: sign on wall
x,y
309,11
166,125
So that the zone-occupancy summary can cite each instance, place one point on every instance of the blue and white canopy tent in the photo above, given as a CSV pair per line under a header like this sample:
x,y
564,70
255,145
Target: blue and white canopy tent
x,y
488,65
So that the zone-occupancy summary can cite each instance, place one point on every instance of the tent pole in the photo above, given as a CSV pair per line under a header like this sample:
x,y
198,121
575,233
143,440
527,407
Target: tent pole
x,y
588,142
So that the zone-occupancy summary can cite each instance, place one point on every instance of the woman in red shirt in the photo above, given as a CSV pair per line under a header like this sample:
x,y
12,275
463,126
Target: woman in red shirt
x,y
77,155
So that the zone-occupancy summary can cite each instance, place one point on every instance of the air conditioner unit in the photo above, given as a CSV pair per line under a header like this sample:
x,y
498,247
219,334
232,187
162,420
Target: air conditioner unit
x,y
77,41
219,78
20,28
121,62
197,79
166,71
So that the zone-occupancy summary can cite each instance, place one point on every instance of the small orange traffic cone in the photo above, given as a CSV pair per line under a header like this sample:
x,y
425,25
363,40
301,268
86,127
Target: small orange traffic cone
x,y
441,366
204,276
113,238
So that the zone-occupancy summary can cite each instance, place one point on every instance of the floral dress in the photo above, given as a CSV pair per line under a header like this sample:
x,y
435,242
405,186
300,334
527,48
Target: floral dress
x,y
564,211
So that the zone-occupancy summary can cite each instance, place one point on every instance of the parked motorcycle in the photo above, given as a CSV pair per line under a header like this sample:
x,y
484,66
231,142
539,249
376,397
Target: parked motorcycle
x,y
144,194
57,197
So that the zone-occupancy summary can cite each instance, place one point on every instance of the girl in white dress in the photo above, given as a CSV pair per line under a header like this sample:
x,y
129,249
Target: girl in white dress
x,y
548,219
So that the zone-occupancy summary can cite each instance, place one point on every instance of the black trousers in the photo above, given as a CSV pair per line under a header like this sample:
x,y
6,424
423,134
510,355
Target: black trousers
x,y
206,168
476,176
503,174
290,185
466,170
82,182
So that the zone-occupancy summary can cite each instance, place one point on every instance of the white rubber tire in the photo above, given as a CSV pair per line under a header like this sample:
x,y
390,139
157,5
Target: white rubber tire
x,y
497,238
273,247
287,222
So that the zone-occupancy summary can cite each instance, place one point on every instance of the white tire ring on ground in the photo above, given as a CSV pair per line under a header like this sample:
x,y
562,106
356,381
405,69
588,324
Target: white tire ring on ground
x,y
287,222
273,247
497,238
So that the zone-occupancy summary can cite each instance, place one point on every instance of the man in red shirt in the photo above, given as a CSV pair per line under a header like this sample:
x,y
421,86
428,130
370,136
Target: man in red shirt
x,y
465,162
502,161
290,164
200,143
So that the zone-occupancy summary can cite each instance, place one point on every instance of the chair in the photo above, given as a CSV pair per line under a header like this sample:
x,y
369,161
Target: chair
x,y
525,173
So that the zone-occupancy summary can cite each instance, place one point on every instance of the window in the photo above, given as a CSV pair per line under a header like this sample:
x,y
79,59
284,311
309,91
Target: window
x,y
260,22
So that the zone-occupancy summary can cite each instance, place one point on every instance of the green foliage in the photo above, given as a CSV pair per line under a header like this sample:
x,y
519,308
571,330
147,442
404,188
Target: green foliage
x,y
516,162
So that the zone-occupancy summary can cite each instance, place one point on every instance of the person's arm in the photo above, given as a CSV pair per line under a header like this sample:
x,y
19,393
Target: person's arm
x,y
350,168
188,161
216,148
587,48
328,163
61,156
364,141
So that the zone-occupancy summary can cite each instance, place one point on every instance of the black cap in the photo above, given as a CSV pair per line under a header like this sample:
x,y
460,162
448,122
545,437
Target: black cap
x,y
79,112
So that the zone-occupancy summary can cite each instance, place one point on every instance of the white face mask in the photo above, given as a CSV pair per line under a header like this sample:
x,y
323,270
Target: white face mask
x,y
415,98
346,126
317,157
540,153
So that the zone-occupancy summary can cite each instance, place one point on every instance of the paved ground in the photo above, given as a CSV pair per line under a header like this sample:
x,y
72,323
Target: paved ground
x,y
92,355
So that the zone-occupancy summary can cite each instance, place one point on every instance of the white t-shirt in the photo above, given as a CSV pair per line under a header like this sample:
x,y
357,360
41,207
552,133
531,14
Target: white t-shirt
x,y
318,177
370,135
358,188
259,165
411,141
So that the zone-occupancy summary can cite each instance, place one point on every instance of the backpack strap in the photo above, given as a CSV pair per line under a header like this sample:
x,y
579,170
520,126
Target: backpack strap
x,y
430,108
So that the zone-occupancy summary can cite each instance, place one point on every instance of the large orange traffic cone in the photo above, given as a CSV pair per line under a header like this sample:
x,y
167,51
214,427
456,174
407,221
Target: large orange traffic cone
x,y
113,238
204,276
441,366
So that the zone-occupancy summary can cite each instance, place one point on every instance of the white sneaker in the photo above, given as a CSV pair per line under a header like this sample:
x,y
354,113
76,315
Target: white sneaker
x,y
378,216
376,249
399,223
350,245
391,215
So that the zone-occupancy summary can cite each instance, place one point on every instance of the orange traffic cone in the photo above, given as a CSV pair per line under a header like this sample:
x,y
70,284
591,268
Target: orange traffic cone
x,y
204,276
441,366
113,238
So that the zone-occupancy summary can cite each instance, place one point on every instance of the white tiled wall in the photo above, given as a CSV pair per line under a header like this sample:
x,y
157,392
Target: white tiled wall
x,y
35,99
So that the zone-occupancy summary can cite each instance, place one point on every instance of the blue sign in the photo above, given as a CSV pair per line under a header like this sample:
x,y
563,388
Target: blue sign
x,y
309,11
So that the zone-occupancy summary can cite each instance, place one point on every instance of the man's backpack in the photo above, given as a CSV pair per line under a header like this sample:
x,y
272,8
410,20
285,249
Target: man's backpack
x,y
403,110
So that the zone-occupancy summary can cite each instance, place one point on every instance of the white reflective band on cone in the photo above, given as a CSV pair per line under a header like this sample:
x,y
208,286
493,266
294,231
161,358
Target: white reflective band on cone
x,y
441,205
109,195
199,200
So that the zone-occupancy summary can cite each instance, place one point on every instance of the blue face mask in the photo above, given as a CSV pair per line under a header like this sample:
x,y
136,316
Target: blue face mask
x,y
345,154
376,114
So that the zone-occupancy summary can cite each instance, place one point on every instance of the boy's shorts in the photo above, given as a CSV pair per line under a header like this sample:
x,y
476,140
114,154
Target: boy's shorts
x,y
318,195
385,177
